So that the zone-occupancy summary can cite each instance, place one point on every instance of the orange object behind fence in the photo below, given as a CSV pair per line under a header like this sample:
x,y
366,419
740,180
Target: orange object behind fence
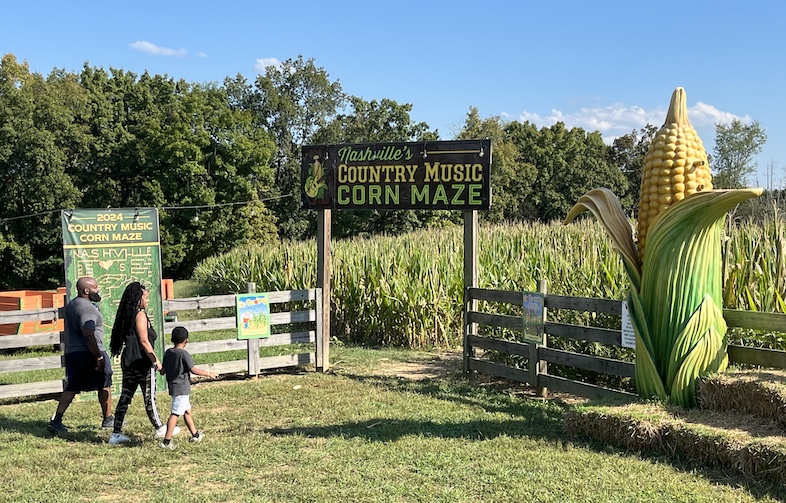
x,y
22,300
167,289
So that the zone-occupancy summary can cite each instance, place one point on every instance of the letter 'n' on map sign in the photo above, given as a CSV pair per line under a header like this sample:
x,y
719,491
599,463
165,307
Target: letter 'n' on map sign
x,y
116,246
436,175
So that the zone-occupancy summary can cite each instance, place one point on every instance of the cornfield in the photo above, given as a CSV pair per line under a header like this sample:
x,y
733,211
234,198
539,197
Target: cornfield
x,y
407,290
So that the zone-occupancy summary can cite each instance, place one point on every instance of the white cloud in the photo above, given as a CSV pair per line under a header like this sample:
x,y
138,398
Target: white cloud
x,y
156,50
201,54
262,63
707,115
617,119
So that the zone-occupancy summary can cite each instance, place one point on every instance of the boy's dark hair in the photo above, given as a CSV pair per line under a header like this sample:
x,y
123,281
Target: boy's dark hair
x,y
179,334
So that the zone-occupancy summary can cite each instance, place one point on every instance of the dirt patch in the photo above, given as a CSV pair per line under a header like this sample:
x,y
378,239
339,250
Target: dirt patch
x,y
438,365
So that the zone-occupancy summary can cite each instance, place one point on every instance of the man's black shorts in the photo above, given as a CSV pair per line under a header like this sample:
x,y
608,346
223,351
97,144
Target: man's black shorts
x,y
81,375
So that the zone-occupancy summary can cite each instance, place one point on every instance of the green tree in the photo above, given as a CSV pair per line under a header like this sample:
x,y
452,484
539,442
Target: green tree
x,y
511,180
628,153
40,131
293,101
16,264
736,146
373,122
169,144
568,164
109,139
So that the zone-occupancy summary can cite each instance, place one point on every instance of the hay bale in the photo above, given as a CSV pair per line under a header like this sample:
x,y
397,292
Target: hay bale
x,y
621,426
751,392
740,442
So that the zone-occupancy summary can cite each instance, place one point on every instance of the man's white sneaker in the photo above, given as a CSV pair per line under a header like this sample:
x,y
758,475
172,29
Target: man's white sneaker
x,y
197,437
161,432
170,446
118,438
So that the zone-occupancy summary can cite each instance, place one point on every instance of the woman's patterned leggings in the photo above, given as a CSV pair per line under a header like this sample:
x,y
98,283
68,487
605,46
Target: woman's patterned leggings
x,y
131,380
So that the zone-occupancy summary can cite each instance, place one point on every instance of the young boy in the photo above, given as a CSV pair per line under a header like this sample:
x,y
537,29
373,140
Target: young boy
x,y
178,366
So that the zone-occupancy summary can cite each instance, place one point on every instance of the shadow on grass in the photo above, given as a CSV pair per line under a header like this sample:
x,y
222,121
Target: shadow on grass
x,y
82,434
387,429
532,417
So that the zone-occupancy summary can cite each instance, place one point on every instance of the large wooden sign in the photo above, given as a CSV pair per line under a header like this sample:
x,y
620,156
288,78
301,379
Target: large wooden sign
x,y
392,176
116,246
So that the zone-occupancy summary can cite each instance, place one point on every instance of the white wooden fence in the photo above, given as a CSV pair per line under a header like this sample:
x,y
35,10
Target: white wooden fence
x,y
308,323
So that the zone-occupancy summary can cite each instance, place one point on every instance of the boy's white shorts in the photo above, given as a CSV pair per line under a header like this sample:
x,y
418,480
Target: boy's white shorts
x,y
180,404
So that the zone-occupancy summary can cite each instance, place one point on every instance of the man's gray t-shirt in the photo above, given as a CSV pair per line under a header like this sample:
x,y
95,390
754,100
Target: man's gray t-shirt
x,y
177,367
79,313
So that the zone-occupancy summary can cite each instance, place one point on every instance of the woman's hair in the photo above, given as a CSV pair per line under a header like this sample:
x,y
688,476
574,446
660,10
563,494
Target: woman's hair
x,y
126,316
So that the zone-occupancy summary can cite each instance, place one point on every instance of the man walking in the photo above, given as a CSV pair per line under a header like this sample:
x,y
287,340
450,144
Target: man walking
x,y
87,365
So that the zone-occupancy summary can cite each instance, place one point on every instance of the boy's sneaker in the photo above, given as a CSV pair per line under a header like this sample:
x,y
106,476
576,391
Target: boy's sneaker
x,y
118,438
161,432
197,437
56,427
108,423
170,446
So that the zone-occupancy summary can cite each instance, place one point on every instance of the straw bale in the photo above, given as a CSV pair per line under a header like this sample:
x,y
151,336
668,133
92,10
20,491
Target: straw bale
x,y
752,392
745,443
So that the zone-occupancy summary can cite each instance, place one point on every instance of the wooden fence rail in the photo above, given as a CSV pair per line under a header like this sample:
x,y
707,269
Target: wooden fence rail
x,y
308,322
539,356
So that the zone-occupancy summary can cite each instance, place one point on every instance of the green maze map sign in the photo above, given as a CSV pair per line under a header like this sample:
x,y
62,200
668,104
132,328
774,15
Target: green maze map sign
x,y
116,247
435,175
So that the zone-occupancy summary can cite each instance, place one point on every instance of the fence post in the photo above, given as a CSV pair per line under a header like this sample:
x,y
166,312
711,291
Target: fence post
x,y
542,365
470,280
324,224
253,343
320,326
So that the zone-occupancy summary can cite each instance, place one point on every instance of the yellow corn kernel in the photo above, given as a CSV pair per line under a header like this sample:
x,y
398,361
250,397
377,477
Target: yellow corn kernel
x,y
675,166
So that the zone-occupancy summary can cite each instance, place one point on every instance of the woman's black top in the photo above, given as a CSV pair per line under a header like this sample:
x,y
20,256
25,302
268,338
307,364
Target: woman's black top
x,y
134,355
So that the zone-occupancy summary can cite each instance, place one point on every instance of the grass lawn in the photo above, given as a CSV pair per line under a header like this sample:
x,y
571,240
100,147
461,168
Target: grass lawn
x,y
384,425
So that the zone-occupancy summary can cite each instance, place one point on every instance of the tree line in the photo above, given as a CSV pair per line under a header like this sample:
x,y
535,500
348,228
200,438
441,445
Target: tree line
x,y
221,160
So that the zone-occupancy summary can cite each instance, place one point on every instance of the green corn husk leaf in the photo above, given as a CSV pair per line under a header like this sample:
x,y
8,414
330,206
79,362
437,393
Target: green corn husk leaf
x,y
681,268
607,209
709,353
648,381
699,350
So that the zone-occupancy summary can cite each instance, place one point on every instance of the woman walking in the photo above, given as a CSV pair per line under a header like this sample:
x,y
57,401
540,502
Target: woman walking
x,y
134,336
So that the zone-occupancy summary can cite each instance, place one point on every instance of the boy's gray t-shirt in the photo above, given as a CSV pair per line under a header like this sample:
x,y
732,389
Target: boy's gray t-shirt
x,y
177,368
79,313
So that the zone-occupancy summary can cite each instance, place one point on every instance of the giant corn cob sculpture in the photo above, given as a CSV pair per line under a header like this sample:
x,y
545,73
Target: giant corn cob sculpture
x,y
675,299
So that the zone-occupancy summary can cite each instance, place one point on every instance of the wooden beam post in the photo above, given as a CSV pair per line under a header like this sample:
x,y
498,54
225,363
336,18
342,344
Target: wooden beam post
x,y
470,281
253,343
542,365
323,282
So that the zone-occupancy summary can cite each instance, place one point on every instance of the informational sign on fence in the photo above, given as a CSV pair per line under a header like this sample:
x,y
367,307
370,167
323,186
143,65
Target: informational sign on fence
x,y
628,335
434,175
532,304
253,315
116,246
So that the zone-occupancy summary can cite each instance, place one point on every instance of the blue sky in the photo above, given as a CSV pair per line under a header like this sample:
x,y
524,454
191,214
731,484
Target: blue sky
x,y
605,65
